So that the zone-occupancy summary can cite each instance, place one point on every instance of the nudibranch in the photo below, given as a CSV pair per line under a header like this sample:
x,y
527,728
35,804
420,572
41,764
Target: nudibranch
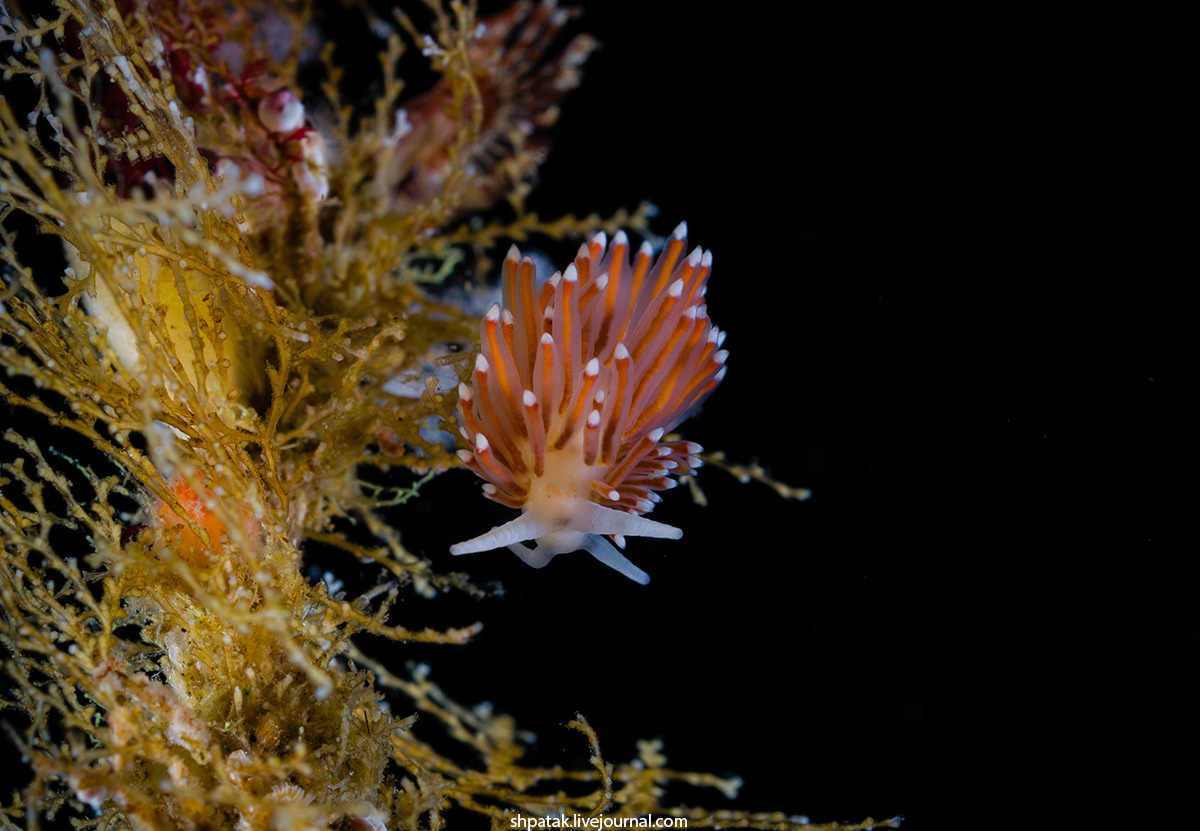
x,y
575,385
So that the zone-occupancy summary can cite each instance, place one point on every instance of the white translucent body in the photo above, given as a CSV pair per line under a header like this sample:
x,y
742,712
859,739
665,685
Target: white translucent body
x,y
560,521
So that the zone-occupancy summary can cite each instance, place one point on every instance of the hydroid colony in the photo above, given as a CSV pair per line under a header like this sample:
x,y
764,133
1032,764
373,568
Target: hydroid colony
x,y
211,323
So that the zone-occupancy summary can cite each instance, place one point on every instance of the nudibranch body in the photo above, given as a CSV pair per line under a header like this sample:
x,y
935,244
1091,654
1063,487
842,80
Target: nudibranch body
x,y
575,385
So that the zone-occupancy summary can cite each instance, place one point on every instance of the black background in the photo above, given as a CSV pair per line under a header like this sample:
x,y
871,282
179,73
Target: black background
x,y
951,251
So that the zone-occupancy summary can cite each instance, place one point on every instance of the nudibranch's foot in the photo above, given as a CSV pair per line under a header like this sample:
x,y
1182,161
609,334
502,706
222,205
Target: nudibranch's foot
x,y
571,525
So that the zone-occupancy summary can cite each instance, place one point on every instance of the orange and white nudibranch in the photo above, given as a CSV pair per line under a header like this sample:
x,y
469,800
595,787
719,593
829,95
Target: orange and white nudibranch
x,y
575,385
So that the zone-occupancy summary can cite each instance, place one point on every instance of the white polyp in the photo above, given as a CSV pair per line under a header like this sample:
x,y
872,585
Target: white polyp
x,y
481,443
721,356
281,111
514,254
602,239
620,353
645,250
529,399
493,314
614,496
676,288
507,317
602,282
481,364
547,339
656,434
593,419
465,455
593,368
680,231
619,238
706,260
464,392
571,275
694,258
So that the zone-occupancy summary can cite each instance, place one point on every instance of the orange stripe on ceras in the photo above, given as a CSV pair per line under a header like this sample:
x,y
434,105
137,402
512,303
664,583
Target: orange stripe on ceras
x,y
635,455
666,265
570,424
508,451
505,369
669,382
544,373
615,408
527,315
565,336
535,430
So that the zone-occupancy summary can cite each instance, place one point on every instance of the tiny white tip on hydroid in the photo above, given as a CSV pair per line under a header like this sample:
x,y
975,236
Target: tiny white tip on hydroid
x,y
529,399
514,254
680,231
656,434
644,250
721,357
593,368
601,238
602,282
706,260
547,339
695,257
619,238
594,419
465,455
493,314
481,443
620,353
614,496
676,288
464,392
481,364
507,317
570,275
